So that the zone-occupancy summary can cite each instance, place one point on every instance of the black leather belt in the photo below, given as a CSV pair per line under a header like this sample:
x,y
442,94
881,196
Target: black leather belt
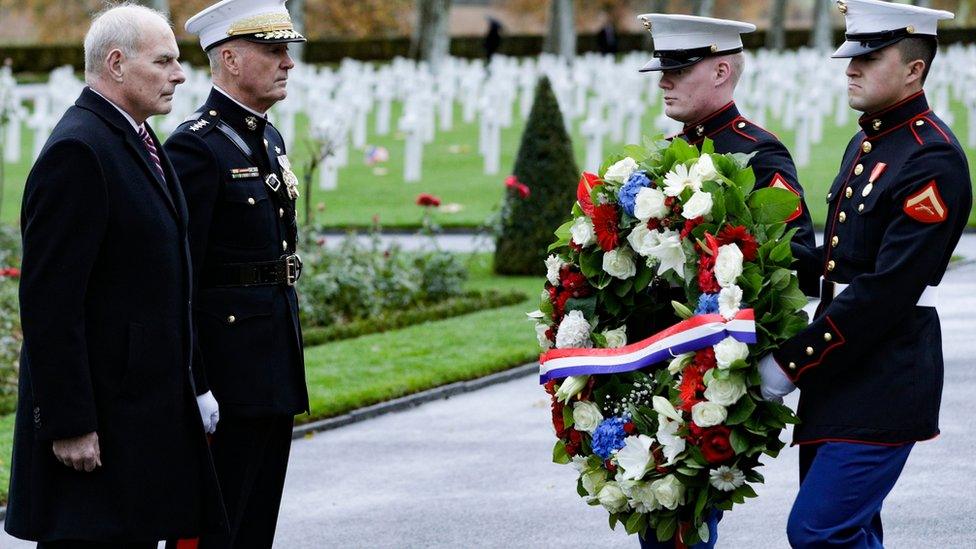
x,y
286,270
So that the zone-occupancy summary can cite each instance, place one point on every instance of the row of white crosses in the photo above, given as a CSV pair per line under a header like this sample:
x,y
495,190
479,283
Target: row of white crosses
x,y
603,99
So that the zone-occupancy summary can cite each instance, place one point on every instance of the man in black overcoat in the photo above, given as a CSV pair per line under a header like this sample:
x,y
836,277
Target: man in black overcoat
x,y
109,447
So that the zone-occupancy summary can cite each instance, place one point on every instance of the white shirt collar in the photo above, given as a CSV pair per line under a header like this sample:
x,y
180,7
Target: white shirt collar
x,y
132,121
242,105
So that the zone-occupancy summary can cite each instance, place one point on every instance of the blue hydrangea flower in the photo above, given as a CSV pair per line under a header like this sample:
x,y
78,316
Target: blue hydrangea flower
x,y
628,193
707,304
609,437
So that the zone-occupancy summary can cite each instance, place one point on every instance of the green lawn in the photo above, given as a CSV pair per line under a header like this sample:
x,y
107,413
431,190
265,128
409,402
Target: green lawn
x,y
453,171
353,373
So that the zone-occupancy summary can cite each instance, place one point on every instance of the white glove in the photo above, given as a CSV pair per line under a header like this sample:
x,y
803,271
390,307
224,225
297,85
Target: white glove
x,y
209,411
775,384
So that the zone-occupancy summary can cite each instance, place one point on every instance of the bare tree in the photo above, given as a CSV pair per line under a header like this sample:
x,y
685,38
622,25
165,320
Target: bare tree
x,y
922,3
822,35
776,37
704,8
296,9
430,40
561,37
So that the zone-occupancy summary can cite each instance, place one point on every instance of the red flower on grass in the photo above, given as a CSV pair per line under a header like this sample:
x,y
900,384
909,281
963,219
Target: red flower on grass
x,y
605,220
512,182
739,236
10,272
428,200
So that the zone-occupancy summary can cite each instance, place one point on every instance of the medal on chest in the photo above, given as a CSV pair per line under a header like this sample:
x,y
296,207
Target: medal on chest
x,y
291,181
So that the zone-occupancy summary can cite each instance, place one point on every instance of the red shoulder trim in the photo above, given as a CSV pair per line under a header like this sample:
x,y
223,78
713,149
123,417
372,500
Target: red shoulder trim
x,y
735,128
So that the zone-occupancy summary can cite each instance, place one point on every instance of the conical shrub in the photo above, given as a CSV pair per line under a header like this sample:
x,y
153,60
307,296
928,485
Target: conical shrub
x,y
545,164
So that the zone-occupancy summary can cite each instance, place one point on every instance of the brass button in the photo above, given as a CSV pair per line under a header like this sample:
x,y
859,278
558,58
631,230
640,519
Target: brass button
x,y
859,169
876,124
231,319
919,122
848,192
910,29
828,336
700,130
831,265
741,125
860,208
809,351
792,365
250,200
213,113
842,217
281,212
866,147
284,244
835,241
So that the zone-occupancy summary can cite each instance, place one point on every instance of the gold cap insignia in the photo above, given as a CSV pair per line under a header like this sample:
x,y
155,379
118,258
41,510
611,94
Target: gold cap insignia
x,y
842,7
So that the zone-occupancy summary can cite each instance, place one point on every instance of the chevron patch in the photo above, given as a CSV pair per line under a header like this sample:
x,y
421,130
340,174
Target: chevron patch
x,y
780,183
926,205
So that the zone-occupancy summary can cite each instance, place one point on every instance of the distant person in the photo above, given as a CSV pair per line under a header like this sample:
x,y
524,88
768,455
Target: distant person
x,y
109,447
606,38
493,40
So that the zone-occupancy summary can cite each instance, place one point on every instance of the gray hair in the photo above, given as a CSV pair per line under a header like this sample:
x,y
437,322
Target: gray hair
x,y
216,63
117,27
738,63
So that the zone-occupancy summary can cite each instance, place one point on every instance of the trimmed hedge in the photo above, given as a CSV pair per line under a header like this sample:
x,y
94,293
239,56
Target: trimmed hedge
x,y
44,58
468,303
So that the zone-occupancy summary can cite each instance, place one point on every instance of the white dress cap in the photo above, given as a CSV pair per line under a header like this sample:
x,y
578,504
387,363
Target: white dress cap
x,y
875,24
265,21
683,40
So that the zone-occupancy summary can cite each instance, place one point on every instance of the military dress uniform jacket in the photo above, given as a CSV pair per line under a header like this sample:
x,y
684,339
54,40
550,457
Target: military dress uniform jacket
x,y
772,164
870,364
249,342
104,296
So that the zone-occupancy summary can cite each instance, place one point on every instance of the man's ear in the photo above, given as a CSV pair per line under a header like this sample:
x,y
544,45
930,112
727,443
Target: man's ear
x,y
916,69
722,71
230,58
113,65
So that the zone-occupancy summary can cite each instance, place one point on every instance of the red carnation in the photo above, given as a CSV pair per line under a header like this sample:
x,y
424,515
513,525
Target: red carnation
x,y
690,226
576,284
512,182
739,236
707,282
705,359
610,466
715,445
629,427
588,181
10,272
428,200
605,220
559,306
550,386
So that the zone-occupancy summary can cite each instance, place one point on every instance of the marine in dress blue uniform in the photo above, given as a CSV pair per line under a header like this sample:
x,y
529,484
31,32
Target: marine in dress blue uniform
x,y
869,366
241,195
682,41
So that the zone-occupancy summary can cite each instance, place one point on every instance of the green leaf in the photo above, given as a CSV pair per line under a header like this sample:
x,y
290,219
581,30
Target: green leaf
x,y
681,310
746,491
568,420
667,525
781,253
739,442
624,287
613,521
700,502
741,411
585,305
779,279
559,454
644,276
772,205
636,152
708,146
635,522
591,264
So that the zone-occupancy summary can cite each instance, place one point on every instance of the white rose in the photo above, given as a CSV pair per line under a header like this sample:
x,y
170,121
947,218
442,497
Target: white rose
x,y
728,351
612,498
619,263
704,169
540,334
621,171
725,391
553,265
708,414
728,265
699,205
641,497
594,480
669,492
679,179
586,416
649,204
679,362
573,332
582,231
635,457
642,239
616,338
570,387
729,301
667,435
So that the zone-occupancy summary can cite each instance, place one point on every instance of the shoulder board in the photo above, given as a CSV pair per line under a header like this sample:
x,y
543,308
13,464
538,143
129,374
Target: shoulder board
x,y
928,129
200,122
752,131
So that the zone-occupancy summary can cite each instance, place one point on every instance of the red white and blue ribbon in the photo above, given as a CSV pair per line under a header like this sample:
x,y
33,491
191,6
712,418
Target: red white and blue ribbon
x,y
693,334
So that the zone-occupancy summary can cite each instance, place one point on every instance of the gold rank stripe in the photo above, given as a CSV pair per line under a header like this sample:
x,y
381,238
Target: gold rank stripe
x,y
268,22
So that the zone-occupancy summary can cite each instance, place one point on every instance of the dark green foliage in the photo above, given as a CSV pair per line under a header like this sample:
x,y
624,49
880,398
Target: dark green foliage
x,y
545,163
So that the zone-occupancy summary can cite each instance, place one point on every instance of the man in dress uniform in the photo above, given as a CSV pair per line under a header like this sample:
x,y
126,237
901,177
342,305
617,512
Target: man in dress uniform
x,y
701,61
869,367
241,195
109,448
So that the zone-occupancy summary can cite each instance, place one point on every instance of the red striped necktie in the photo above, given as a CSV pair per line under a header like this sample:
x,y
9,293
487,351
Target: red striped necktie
x,y
151,149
